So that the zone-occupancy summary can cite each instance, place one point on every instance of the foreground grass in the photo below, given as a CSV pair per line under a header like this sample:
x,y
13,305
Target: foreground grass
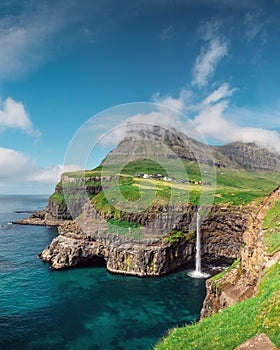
x,y
233,326
242,321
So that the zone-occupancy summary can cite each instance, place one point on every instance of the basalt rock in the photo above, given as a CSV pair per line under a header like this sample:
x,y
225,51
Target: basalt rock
x,y
242,281
151,252
222,233
149,257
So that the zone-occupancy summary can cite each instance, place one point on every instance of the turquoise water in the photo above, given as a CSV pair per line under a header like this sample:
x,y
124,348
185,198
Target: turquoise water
x,y
86,308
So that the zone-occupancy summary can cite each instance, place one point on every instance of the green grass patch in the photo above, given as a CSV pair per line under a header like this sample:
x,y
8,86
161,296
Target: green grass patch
x,y
102,204
123,227
221,274
233,326
174,235
84,173
271,226
129,189
144,166
58,198
226,186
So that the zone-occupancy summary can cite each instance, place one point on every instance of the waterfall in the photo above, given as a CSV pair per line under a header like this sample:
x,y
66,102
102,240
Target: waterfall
x,y
198,244
198,273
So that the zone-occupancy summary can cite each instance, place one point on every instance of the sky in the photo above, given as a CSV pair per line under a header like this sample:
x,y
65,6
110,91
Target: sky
x,y
64,61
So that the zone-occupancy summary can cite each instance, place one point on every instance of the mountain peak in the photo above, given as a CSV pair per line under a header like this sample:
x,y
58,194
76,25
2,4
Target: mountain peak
x,y
159,142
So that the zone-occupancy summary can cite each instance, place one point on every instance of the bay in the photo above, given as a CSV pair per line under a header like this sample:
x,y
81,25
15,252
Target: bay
x,y
86,308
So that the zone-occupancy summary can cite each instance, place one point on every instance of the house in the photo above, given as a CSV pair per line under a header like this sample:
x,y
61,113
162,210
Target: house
x,y
157,176
168,178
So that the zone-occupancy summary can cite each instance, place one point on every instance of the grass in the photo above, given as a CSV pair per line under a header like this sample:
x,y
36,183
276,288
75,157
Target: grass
x,y
58,198
85,173
234,325
231,327
271,226
221,274
123,227
145,166
226,186
174,235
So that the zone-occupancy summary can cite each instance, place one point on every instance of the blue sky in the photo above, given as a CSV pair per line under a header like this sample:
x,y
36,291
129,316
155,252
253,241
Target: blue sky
x,y
64,61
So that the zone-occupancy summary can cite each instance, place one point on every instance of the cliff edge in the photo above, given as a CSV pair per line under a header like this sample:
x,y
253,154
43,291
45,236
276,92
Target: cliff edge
x,y
242,280
242,306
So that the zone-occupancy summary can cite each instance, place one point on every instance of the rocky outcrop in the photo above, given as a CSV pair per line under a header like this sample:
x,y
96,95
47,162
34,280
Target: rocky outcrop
x,y
250,156
222,227
241,281
140,257
222,233
149,253
41,218
259,342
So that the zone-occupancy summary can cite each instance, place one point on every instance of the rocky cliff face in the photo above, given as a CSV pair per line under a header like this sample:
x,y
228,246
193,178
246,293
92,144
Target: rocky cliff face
x,y
88,241
241,282
250,156
174,143
222,233
140,257
154,253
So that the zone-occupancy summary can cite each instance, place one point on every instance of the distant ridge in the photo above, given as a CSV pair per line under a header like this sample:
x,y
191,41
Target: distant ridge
x,y
251,156
154,141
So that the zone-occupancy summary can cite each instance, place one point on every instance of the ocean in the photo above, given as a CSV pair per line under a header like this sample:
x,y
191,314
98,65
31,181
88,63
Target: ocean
x,y
85,308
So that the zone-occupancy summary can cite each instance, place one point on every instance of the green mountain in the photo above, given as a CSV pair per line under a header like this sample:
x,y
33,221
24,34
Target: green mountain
x,y
158,142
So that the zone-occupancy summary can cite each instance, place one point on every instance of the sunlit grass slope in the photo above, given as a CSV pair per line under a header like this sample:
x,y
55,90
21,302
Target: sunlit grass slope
x,y
224,185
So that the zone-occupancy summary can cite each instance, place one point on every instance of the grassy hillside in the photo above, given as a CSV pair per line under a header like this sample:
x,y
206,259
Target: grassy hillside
x,y
234,325
226,185
231,327
271,226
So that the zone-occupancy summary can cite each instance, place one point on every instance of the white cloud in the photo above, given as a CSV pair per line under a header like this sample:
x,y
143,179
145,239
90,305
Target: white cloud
x,y
220,93
160,116
251,115
205,64
210,112
211,53
13,115
14,165
178,103
17,167
213,122
34,32
216,120
51,174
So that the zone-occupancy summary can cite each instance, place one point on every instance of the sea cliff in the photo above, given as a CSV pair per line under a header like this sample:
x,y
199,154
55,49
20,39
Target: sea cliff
x,y
242,280
242,309
91,238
